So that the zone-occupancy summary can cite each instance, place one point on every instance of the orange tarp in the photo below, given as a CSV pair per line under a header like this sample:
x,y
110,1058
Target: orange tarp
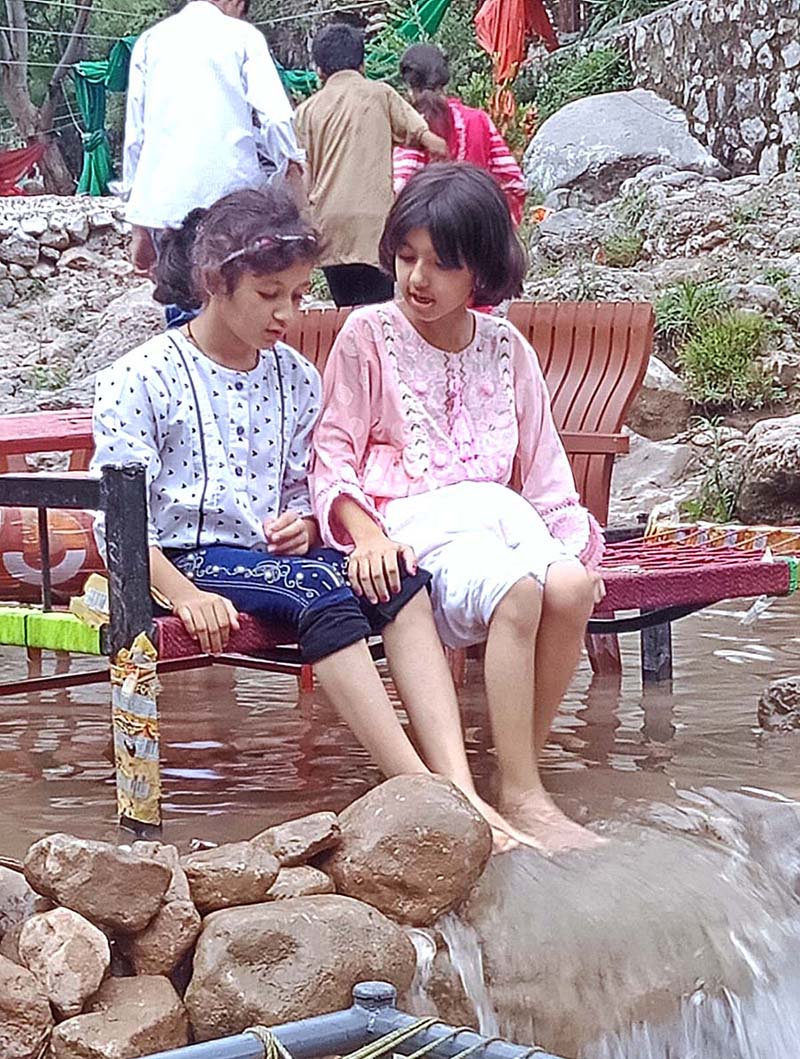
x,y
503,28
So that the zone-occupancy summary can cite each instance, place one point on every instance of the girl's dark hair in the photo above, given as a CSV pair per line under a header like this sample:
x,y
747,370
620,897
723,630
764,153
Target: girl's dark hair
x,y
424,68
467,218
255,232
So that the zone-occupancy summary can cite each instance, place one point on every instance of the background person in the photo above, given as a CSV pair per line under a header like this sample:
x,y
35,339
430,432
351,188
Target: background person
x,y
196,81
469,133
348,130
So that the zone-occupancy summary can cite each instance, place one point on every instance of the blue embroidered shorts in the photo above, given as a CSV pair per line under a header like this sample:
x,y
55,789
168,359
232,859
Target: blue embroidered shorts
x,y
307,595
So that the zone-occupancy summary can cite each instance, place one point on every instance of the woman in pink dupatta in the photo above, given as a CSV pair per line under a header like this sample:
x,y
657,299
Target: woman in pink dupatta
x,y
469,133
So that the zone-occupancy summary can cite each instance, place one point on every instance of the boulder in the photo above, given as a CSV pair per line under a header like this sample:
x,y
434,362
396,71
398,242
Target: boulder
x,y
301,881
77,227
297,841
287,960
779,705
25,1016
172,932
68,956
593,145
17,900
652,473
237,873
129,1017
770,489
569,233
661,408
413,847
109,885
80,259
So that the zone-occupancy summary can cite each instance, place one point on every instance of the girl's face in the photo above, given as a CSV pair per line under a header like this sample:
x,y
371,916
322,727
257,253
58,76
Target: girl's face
x,y
430,290
261,308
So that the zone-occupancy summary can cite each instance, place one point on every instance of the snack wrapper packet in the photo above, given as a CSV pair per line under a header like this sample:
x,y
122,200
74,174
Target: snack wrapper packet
x,y
134,703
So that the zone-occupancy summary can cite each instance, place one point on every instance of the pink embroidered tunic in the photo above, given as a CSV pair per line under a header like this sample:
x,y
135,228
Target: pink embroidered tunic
x,y
401,418
474,139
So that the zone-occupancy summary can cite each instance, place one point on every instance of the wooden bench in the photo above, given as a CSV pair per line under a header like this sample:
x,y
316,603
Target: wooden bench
x,y
593,355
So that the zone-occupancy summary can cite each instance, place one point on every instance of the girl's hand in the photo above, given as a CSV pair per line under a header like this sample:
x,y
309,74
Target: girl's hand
x,y
373,567
290,534
208,618
598,586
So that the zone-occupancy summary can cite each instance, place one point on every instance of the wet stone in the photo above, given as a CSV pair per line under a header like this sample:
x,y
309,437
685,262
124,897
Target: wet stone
x,y
25,1016
238,873
297,841
302,881
68,956
163,943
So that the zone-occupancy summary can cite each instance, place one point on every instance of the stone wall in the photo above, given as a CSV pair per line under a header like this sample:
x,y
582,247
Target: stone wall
x,y
734,67
43,234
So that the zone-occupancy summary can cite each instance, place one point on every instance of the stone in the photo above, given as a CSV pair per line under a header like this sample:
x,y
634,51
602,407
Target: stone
x,y
237,873
297,841
77,228
129,1017
44,270
55,238
301,881
25,1016
9,946
48,253
661,408
567,234
172,932
779,705
108,885
788,238
101,219
17,271
8,293
413,847
35,226
287,960
126,322
594,144
758,295
652,473
80,259
68,956
17,900
19,249
770,489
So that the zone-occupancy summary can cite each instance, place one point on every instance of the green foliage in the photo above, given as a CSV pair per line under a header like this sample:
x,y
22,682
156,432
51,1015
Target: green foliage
x,y
623,249
745,216
682,310
608,14
716,500
632,207
469,63
564,78
318,287
720,363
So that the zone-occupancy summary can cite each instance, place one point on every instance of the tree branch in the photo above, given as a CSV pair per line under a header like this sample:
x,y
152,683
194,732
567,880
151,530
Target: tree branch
x,y
68,57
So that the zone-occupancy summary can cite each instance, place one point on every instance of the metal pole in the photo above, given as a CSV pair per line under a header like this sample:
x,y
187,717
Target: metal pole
x,y
372,1015
123,497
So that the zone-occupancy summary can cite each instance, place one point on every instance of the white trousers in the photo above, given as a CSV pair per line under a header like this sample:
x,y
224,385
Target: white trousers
x,y
476,539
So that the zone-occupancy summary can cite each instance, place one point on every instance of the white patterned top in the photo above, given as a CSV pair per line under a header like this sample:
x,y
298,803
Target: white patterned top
x,y
224,450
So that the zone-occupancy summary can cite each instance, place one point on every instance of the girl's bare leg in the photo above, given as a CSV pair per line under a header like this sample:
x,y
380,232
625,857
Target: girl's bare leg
x,y
511,654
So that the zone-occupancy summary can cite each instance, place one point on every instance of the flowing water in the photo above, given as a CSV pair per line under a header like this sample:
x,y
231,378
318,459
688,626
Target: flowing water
x,y
676,941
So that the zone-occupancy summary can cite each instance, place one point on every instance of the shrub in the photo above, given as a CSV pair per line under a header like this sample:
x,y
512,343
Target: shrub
x,y
623,249
607,14
565,78
720,366
686,307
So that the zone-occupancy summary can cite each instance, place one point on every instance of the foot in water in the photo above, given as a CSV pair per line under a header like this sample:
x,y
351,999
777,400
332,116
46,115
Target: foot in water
x,y
536,816
505,836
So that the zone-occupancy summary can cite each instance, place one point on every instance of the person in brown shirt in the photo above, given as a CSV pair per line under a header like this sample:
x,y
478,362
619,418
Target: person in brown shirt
x,y
348,130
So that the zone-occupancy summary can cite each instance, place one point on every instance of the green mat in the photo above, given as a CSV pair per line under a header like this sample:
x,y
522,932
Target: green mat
x,y
52,631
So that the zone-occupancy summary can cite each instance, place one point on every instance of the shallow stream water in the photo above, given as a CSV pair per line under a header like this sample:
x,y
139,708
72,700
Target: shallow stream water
x,y
677,941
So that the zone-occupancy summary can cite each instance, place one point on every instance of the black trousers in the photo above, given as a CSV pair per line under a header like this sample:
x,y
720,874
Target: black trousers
x,y
358,284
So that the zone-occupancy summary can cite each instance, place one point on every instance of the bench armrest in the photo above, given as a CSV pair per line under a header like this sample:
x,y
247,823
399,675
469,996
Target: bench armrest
x,y
579,444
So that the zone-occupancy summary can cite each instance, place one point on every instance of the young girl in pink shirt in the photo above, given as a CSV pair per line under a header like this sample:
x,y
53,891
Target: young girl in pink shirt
x,y
427,408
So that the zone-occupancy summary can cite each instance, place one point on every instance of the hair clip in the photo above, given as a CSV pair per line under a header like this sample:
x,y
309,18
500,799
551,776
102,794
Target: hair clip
x,y
264,244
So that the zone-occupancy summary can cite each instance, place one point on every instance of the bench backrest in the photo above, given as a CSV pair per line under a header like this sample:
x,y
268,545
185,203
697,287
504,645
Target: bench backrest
x,y
593,354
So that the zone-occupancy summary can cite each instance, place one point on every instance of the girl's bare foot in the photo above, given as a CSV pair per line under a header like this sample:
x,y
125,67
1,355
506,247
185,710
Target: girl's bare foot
x,y
505,836
536,815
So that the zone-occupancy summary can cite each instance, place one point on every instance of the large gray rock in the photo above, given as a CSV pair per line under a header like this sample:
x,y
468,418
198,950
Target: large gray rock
x,y
68,956
770,489
661,409
652,473
412,847
287,960
594,144
128,1017
25,1016
109,885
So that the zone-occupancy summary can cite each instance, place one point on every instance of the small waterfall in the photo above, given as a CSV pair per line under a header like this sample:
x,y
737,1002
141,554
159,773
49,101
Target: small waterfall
x,y
466,956
425,946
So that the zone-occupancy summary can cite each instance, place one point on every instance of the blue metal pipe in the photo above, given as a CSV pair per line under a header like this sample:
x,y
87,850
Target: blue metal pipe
x,y
372,1015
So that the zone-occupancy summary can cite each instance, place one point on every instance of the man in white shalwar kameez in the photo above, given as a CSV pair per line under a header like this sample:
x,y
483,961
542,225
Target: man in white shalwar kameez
x,y
197,80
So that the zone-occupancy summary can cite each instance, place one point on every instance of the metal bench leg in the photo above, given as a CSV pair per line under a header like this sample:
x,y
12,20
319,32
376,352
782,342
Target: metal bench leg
x,y
657,654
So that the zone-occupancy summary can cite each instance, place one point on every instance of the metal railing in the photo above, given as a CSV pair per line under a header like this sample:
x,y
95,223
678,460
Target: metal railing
x,y
372,1016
